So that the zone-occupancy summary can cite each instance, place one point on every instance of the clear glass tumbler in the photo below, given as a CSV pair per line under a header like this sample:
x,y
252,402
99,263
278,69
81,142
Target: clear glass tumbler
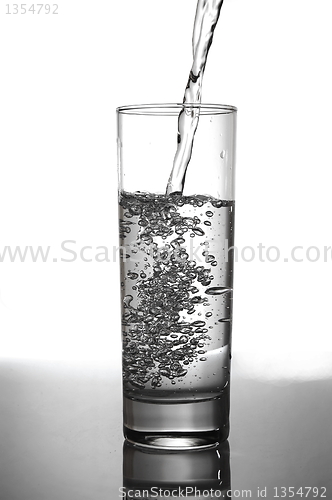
x,y
176,261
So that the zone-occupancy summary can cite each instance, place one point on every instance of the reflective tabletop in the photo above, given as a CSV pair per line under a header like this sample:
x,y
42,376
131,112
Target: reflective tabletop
x,y
61,439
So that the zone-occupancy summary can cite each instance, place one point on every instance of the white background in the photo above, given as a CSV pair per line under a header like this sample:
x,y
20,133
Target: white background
x,y
62,77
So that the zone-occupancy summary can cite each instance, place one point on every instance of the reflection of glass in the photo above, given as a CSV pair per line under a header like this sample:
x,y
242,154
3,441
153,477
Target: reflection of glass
x,y
176,276
159,472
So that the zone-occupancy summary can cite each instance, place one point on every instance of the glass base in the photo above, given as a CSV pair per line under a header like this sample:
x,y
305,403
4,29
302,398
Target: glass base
x,y
178,425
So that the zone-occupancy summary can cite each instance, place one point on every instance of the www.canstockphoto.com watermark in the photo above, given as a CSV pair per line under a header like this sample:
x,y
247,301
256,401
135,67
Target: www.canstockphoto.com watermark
x,y
69,251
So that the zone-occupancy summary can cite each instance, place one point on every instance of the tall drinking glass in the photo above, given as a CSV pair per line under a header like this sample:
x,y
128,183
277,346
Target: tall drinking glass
x,y
176,276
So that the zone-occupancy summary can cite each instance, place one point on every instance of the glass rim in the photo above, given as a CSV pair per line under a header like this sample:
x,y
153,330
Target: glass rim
x,y
173,109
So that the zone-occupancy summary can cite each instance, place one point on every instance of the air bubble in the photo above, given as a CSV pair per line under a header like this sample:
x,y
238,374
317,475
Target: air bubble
x,y
127,299
198,231
146,238
198,323
218,290
217,203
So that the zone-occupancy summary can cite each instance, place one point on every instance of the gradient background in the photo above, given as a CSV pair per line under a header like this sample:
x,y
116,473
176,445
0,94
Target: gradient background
x,y
62,77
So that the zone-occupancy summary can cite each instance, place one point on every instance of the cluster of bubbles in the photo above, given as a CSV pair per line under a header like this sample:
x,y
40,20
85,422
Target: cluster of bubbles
x,y
157,341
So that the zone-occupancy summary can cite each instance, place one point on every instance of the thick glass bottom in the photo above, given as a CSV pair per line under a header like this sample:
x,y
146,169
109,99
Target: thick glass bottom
x,y
177,425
